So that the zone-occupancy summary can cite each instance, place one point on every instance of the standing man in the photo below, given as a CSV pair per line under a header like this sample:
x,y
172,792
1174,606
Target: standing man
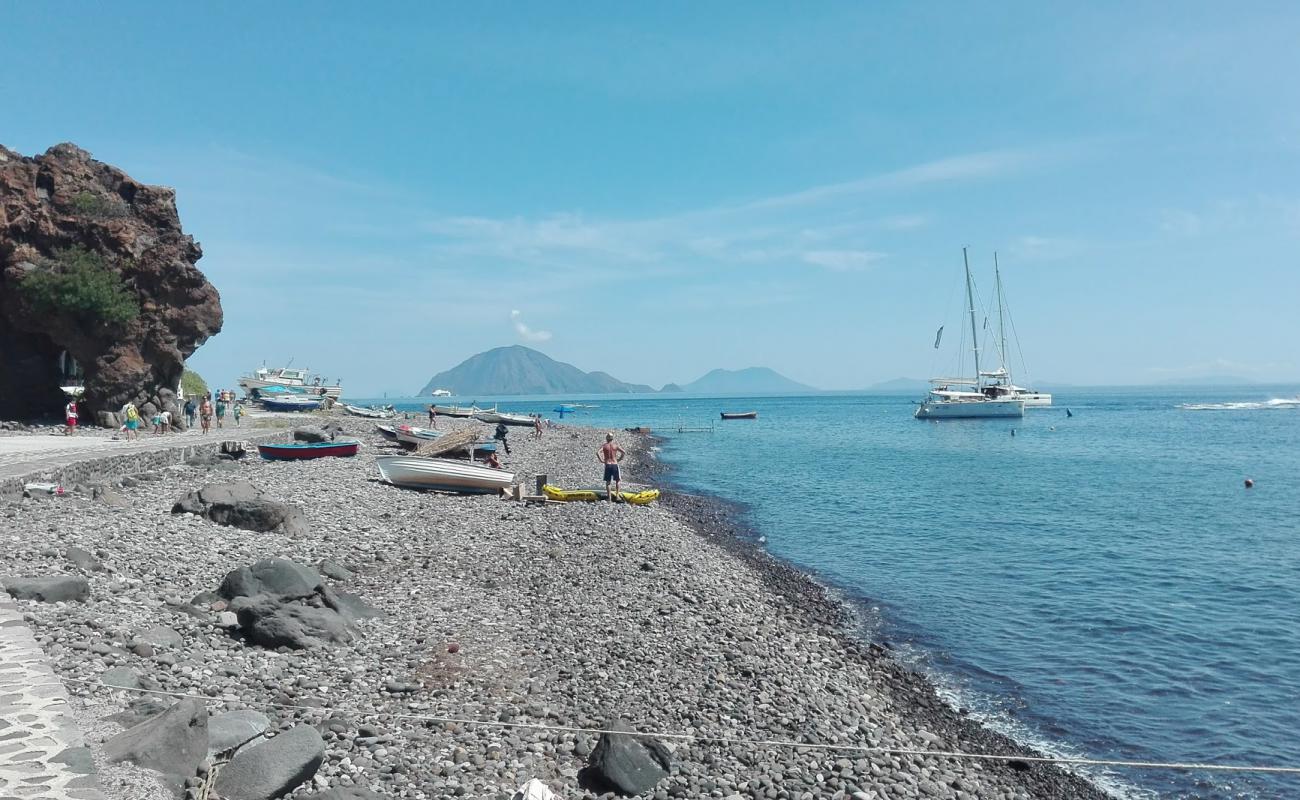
x,y
70,417
221,407
191,408
433,417
610,454
537,426
205,414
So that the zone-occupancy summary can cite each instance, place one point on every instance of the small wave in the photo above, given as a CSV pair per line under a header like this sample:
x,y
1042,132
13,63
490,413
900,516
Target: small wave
x,y
1277,402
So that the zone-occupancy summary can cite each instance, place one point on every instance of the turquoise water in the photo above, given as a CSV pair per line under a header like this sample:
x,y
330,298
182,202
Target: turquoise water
x,y
1103,584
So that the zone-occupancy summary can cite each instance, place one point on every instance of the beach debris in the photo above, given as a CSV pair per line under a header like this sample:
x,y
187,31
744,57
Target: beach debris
x,y
534,790
450,442
242,505
626,762
50,589
173,742
30,489
273,768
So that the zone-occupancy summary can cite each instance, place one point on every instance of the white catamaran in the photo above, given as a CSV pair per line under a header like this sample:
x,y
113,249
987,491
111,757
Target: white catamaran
x,y
971,398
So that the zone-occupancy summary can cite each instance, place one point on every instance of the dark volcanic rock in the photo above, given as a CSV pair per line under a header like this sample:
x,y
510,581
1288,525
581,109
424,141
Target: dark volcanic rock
x,y
173,742
343,793
235,728
54,589
274,768
626,763
271,621
311,433
271,576
65,199
242,505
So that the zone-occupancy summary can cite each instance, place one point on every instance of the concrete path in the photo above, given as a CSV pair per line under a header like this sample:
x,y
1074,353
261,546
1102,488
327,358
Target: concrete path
x,y
42,753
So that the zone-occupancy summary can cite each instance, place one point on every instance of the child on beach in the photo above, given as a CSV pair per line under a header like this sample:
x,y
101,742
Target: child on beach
x,y
237,411
70,418
537,426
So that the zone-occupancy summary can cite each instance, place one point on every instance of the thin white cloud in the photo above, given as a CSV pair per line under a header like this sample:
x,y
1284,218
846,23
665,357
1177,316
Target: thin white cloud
x,y
526,333
843,260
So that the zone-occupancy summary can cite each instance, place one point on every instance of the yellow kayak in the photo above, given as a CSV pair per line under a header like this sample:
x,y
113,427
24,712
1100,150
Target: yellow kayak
x,y
638,498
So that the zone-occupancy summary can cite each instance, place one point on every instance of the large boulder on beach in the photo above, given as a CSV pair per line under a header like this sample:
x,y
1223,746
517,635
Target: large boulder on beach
x,y
279,576
143,307
273,768
174,742
343,793
626,762
272,621
51,589
311,433
242,505
234,729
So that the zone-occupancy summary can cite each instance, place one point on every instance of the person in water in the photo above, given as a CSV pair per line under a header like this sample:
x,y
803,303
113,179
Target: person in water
x,y
610,454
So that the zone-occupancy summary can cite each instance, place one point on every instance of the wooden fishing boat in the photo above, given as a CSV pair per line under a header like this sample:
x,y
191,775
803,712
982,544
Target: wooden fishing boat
x,y
443,474
295,451
290,404
740,415
637,497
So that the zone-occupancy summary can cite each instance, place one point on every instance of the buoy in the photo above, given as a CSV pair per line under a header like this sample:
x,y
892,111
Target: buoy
x,y
1052,428
1249,483
1013,431
1069,413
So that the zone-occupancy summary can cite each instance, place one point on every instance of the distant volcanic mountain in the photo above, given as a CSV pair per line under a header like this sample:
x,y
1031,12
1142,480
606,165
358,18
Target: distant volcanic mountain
x,y
753,380
522,370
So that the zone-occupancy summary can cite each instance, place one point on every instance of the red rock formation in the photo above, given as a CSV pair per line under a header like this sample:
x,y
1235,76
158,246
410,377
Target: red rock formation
x,y
65,199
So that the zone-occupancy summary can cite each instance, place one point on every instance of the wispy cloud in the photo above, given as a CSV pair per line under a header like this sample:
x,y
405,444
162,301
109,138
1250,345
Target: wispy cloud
x,y
526,333
843,260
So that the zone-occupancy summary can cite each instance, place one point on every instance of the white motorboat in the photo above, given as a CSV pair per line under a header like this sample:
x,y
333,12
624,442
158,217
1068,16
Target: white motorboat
x,y
973,401
440,393
295,380
463,412
370,413
494,417
444,474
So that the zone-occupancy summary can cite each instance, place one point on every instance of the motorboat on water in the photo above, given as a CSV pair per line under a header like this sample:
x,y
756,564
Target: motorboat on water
x,y
972,399
739,414
440,393
442,474
290,377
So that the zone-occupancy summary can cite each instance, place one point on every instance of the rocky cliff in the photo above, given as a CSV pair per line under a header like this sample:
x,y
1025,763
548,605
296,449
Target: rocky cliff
x,y
94,264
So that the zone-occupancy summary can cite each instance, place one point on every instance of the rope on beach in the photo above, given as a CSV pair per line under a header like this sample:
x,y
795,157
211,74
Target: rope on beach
x,y
726,740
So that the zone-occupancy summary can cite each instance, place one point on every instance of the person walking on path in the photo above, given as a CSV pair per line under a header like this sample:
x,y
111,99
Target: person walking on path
x,y
132,421
610,454
70,417
500,436
191,408
237,411
537,426
221,408
205,414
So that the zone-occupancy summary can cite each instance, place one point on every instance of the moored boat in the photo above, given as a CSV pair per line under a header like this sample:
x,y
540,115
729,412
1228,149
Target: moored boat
x,y
295,451
740,415
443,474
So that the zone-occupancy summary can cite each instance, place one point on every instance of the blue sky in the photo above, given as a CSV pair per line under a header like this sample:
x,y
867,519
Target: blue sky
x,y
665,188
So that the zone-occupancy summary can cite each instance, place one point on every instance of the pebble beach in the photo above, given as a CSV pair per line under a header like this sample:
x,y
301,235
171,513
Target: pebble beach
x,y
507,635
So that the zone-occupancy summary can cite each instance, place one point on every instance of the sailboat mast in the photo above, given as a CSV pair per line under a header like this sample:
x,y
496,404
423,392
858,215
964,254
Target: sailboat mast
x,y
1002,328
970,303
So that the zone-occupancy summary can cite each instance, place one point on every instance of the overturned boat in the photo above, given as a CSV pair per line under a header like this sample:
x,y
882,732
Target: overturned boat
x,y
442,474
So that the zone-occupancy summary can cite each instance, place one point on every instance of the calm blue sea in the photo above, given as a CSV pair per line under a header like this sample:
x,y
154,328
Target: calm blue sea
x,y
1103,585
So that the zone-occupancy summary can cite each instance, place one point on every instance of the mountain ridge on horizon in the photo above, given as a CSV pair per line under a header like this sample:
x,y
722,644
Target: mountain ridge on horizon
x,y
520,370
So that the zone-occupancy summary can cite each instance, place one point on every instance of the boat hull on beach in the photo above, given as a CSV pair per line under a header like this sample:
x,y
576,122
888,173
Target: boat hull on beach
x,y
442,474
289,404
494,417
414,437
298,451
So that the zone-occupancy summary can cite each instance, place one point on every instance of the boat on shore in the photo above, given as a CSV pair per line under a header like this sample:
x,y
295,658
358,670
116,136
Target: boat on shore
x,y
740,415
387,431
590,494
290,378
412,436
495,417
297,451
371,412
457,411
971,399
442,474
290,403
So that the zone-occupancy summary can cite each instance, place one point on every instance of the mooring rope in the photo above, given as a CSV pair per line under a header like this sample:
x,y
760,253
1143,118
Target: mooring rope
x,y
725,740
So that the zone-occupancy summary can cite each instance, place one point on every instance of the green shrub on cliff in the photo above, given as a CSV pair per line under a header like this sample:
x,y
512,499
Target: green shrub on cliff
x,y
89,204
78,282
192,384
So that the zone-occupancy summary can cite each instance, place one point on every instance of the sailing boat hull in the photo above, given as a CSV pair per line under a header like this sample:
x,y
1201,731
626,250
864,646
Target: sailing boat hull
x,y
971,409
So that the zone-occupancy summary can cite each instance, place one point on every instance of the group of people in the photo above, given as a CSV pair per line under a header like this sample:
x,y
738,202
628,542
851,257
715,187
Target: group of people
x,y
206,410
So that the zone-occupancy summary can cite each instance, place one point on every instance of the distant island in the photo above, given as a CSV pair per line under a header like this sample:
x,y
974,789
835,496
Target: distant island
x,y
519,370
752,380
523,370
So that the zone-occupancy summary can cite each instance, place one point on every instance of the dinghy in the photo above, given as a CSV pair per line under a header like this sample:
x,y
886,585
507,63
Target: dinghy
x,y
443,474
740,415
388,432
296,451
637,497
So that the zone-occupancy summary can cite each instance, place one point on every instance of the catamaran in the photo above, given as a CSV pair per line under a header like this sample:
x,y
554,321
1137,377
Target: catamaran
x,y
972,398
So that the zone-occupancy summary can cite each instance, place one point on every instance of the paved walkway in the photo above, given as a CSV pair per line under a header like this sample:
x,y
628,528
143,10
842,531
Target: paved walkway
x,y
42,752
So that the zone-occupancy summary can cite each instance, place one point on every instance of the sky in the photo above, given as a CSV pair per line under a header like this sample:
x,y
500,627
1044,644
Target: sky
x,y
659,189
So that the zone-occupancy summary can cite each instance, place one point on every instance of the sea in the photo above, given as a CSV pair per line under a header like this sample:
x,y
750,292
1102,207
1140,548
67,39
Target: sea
x,y
1098,583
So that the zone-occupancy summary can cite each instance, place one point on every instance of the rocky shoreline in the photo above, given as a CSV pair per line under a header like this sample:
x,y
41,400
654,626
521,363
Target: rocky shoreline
x,y
548,618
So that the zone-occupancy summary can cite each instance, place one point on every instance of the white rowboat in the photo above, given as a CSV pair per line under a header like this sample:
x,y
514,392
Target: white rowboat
x,y
416,472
